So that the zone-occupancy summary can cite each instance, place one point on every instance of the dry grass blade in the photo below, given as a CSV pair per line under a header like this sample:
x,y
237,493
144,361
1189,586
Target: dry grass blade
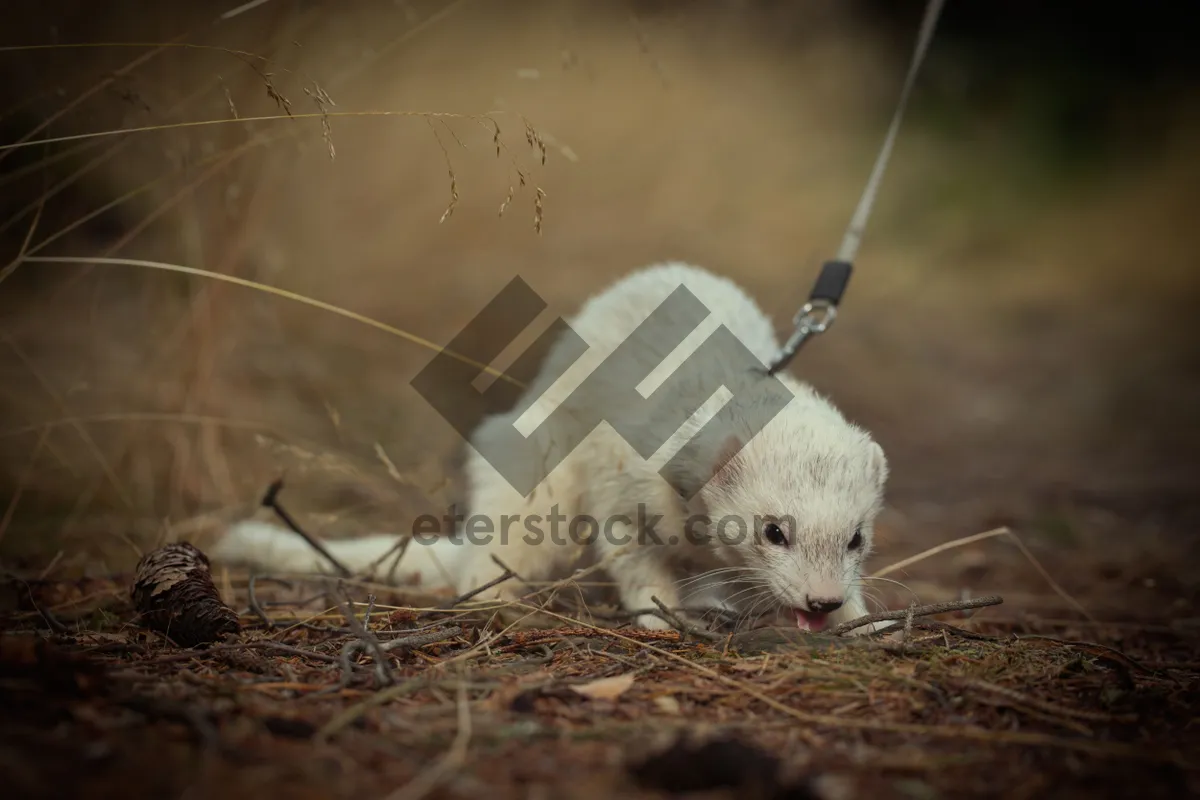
x,y
136,45
299,298
205,123
215,164
242,9
108,80
979,537
941,548
404,38
62,154
139,416
323,102
16,262
1061,592
450,170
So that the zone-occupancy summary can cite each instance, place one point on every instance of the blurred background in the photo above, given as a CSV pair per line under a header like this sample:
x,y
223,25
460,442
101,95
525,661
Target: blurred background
x,y
1019,334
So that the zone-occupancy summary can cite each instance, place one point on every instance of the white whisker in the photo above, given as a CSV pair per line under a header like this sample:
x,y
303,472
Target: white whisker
x,y
903,586
714,572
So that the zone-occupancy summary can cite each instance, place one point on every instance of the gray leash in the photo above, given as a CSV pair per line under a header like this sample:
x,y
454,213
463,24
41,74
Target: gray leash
x,y
820,311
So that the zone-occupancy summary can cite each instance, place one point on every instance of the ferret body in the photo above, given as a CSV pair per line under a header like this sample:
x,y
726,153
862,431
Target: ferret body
x,y
801,493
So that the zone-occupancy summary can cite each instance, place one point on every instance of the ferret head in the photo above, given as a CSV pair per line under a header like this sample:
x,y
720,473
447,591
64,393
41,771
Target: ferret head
x,y
795,504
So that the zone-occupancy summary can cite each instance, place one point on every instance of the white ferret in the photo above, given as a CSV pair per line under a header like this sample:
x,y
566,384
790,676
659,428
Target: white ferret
x,y
806,487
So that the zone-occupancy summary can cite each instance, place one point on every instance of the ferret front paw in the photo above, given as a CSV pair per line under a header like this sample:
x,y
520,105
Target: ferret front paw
x,y
863,630
851,611
653,622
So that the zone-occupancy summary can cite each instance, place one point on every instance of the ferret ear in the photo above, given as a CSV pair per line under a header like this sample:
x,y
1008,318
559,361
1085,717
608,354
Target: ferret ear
x,y
726,466
878,464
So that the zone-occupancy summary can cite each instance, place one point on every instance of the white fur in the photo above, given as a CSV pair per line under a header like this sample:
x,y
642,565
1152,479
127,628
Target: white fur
x,y
268,545
808,465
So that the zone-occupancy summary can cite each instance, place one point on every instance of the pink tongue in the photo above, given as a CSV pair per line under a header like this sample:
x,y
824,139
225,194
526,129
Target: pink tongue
x,y
808,620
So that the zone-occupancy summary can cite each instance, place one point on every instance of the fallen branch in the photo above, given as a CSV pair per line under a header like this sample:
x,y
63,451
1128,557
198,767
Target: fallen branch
x,y
916,611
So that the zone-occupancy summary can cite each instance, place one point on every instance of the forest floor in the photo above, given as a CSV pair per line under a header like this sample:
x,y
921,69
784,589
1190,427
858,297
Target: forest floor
x,y
548,700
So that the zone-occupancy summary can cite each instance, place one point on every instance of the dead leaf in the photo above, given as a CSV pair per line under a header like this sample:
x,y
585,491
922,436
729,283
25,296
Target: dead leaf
x,y
606,688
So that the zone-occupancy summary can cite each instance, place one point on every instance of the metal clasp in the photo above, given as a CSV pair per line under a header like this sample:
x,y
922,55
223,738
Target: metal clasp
x,y
816,317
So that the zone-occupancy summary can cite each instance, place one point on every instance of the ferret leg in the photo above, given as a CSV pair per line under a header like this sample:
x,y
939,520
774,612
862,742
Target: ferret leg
x,y
853,608
502,526
525,560
640,575
535,555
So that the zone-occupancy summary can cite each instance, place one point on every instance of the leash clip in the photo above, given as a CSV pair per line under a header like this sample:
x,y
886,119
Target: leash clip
x,y
818,314
814,318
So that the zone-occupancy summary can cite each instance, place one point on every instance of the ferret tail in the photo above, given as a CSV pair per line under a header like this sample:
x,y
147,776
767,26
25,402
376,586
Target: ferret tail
x,y
430,565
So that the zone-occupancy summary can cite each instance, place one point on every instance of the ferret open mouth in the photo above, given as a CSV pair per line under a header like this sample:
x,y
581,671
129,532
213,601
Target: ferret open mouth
x,y
809,620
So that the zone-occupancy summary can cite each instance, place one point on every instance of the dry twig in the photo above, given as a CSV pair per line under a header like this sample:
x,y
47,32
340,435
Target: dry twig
x,y
383,668
915,611
683,626
271,500
506,576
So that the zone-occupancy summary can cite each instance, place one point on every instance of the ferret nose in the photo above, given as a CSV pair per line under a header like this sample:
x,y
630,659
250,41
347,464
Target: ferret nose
x,y
823,605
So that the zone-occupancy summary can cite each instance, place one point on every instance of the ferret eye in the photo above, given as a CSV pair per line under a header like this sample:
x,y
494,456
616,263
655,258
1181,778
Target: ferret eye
x,y
774,534
856,541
